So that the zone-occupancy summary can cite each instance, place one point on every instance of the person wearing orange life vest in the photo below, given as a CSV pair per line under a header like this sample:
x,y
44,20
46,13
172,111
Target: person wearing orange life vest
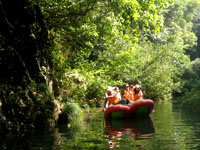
x,y
132,87
126,92
138,93
131,93
108,97
128,95
118,95
111,97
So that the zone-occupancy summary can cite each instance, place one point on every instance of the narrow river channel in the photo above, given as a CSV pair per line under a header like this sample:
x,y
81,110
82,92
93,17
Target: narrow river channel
x,y
168,128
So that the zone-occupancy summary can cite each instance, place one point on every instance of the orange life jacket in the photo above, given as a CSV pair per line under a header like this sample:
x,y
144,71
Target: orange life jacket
x,y
113,100
132,89
137,96
130,96
116,99
126,94
110,100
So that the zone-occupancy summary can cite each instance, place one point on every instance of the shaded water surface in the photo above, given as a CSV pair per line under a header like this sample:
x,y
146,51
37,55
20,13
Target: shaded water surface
x,y
168,128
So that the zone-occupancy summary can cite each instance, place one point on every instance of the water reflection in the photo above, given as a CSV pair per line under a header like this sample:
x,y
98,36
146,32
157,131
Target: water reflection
x,y
169,128
128,130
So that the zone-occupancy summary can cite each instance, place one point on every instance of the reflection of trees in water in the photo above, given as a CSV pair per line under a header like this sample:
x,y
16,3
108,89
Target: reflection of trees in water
x,y
39,139
131,130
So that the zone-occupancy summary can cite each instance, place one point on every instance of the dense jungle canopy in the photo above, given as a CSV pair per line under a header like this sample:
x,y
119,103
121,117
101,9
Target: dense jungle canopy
x,y
58,51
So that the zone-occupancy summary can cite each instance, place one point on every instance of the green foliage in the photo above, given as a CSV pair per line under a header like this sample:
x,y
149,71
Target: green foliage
x,y
191,84
74,87
180,24
191,97
92,44
94,47
73,113
27,108
81,47
85,26
154,66
191,77
194,51
84,87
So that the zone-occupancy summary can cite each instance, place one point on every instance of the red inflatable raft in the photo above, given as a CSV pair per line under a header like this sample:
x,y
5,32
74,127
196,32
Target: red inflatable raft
x,y
140,108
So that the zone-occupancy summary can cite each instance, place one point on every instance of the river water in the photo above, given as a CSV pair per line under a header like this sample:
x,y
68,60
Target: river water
x,y
168,128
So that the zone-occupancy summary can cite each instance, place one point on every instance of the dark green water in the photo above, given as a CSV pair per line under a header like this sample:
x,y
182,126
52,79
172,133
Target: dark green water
x,y
168,128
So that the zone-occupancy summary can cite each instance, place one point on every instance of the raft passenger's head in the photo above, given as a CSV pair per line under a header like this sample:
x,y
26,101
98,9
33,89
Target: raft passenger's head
x,y
137,87
127,87
132,86
109,91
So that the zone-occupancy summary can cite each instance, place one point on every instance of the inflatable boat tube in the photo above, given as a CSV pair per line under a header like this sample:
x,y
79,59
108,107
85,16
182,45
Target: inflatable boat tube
x,y
141,108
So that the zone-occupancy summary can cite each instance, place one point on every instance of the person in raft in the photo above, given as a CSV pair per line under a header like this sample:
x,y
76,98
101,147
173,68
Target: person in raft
x,y
116,89
132,87
111,97
128,94
138,93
